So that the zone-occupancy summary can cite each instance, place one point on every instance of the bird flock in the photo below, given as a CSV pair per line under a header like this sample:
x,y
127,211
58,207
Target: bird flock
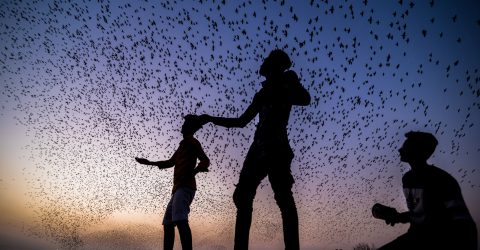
x,y
96,83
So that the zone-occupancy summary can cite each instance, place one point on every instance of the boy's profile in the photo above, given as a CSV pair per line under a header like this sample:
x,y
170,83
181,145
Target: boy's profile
x,y
184,186
437,213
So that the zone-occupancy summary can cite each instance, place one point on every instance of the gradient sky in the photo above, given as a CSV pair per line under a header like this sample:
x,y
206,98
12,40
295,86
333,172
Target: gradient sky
x,y
86,86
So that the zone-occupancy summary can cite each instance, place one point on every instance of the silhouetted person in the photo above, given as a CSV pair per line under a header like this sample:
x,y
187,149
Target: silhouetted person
x,y
438,216
184,186
270,153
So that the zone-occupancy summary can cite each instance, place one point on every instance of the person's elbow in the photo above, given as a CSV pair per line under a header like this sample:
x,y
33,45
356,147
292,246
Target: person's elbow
x,y
304,100
307,99
204,161
203,165
207,163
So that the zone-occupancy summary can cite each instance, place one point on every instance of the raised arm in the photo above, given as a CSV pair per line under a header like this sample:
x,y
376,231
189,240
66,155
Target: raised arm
x,y
296,93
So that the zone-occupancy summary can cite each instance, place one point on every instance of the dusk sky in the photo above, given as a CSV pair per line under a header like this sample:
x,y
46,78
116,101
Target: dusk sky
x,y
86,86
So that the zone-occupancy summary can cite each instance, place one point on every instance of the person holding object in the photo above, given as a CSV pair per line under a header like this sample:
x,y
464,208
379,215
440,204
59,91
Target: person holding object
x,y
184,186
270,153
437,213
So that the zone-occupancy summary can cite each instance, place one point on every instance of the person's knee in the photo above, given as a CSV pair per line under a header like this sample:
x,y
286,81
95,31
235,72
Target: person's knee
x,y
285,201
243,197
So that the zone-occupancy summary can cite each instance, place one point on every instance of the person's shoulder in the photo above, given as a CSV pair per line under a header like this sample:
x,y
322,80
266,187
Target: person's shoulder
x,y
194,142
440,174
445,182
290,75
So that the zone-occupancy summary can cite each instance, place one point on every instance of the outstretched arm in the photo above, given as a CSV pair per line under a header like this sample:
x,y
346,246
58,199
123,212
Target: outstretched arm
x,y
239,122
160,164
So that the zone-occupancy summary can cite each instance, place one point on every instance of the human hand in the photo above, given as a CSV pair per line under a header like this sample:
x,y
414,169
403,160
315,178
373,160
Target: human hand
x,y
392,219
388,214
142,161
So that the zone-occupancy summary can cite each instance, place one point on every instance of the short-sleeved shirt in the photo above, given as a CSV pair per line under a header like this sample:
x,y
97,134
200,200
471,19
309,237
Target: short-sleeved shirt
x,y
434,200
185,160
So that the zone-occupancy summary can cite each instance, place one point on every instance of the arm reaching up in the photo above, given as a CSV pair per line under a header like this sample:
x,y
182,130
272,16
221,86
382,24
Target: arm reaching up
x,y
297,94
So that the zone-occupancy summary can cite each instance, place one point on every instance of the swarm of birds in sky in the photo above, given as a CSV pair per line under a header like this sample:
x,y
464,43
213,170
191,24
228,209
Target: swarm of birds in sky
x,y
94,84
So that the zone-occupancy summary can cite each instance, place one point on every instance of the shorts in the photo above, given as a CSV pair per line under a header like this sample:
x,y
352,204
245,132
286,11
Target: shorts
x,y
178,207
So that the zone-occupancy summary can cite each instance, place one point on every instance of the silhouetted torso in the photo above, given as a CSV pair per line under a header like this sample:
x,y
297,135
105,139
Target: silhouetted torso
x,y
273,104
185,160
273,114
429,192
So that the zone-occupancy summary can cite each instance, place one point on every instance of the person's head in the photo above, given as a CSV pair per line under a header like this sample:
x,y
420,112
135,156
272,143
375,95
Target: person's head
x,y
276,62
418,147
191,125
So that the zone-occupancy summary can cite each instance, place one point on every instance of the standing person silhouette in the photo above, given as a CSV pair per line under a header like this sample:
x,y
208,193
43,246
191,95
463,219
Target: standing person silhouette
x,y
184,185
270,153
437,213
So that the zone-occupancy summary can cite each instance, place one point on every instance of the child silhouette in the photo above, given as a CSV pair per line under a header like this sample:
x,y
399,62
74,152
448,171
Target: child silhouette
x,y
184,186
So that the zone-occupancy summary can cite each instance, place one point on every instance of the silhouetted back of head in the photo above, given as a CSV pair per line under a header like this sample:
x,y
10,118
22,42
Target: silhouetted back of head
x,y
191,124
423,143
277,61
